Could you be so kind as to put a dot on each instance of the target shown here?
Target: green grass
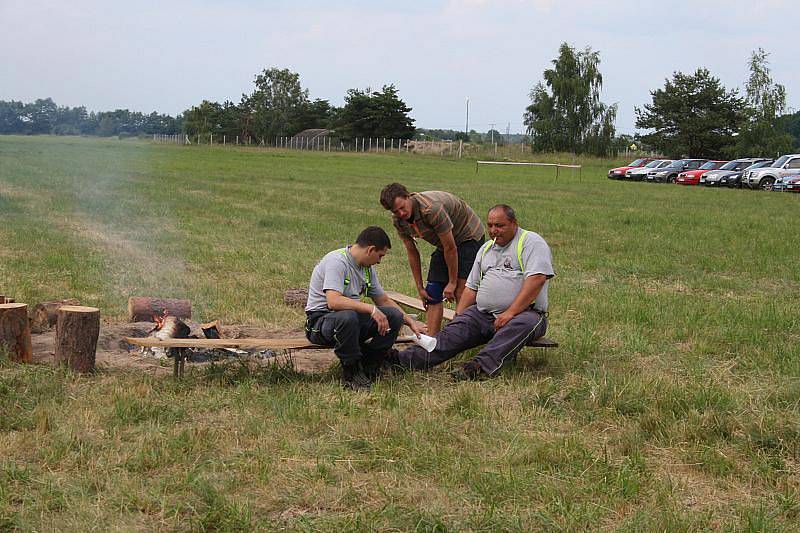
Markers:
(671, 404)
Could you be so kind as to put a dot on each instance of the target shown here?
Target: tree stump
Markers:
(296, 297)
(45, 314)
(77, 330)
(15, 332)
(143, 308)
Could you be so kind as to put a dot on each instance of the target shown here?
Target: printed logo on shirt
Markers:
(507, 263)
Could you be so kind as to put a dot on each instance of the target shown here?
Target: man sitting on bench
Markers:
(359, 333)
(504, 304)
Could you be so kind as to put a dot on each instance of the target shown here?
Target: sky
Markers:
(168, 56)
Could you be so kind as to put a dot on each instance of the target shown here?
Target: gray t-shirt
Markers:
(331, 273)
(497, 277)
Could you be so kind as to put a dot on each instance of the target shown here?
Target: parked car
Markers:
(713, 178)
(692, 177)
(638, 174)
(669, 173)
(619, 172)
(763, 178)
(782, 183)
(792, 184)
(734, 181)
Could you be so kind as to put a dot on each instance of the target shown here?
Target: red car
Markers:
(692, 177)
(619, 172)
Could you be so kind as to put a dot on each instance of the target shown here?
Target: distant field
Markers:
(672, 402)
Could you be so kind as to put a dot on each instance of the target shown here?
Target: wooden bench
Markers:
(449, 314)
(241, 344)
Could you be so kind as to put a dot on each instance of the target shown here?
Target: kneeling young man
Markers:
(359, 333)
(504, 304)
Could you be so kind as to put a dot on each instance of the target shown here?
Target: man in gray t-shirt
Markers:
(504, 305)
(359, 333)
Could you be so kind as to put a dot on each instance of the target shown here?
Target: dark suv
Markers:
(668, 174)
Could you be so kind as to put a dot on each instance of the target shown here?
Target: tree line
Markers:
(693, 115)
(44, 116)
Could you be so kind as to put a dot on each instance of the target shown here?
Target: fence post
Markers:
(460, 147)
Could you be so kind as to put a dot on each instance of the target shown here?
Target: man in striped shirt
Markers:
(448, 223)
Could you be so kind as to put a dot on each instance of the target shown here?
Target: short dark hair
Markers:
(374, 236)
(507, 209)
(391, 192)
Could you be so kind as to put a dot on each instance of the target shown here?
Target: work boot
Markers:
(372, 365)
(354, 378)
(469, 371)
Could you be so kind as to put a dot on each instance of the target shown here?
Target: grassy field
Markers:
(673, 402)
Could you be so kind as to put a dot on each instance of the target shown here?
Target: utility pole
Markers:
(508, 134)
(466, 127)
(491, 130)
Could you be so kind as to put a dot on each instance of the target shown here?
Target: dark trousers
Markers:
(353, 336)
(473, 328)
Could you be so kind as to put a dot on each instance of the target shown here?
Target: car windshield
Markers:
(653, 164)
(760, 164)
(637, 163)
(731, 165)
(665, 163)
(711, 165)
(780, 161)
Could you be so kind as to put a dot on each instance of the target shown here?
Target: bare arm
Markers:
(467, 299)
(339, 302)
(530, 290)
(383, 300)
(415, 263)
(451, 259)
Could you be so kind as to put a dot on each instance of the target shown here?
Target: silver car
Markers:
(713, 178)
(763, 178)
(640, 173)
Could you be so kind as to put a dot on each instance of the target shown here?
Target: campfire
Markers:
(167, 326)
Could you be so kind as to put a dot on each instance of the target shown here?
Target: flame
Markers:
(160, 319)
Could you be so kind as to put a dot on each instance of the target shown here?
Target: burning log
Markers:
(77, 331)
(169, 327)
(15, 332)
(45, 314)
(143, 308)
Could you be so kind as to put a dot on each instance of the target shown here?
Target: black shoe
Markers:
(372, 366)
(354, 378)
(469, 371)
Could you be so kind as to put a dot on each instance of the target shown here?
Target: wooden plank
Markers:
(449, 314)
(242, 344)
(416, 303)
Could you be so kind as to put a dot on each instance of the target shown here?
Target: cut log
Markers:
(295, 297)
(77, 330)
(212, 330)
(15, 332)
(143, 308)
(45, 314)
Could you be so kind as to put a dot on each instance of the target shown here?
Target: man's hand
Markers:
(380, 319)
(502, 319)
(417, 327)
(424, 296)
(450, 291)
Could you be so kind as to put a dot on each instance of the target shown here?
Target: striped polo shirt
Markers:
(435, 212)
